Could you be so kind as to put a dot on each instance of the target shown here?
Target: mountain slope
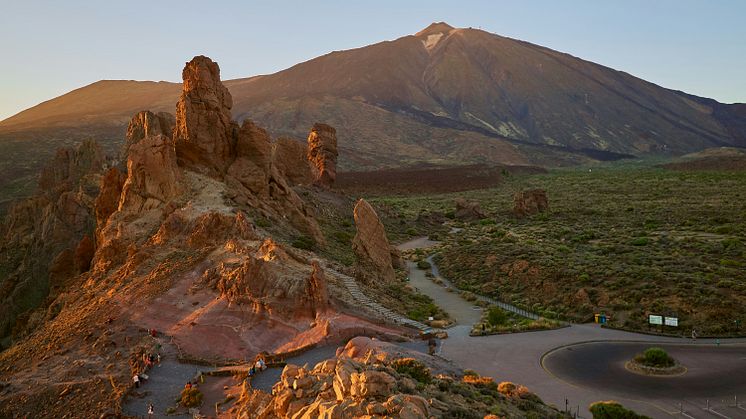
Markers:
(441, 96)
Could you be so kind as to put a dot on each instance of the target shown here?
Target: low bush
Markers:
(413, 368)
(655, 357)
(191, 397)
(303, 242)
(612, 410)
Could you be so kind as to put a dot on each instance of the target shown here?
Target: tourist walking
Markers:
(136, 380)
(151, 410)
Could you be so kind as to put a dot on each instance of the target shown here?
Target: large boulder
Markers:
(468, 210)
(204, 133)
(152, 175)
(370, 242)
(291, 159)
(322, 153)
(530, 202)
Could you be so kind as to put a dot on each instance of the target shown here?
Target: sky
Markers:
(52, 47)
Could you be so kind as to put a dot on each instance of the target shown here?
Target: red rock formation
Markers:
(530, 202)
(291, 159)
(41, 234)
(322, 153)
(370, 242)
(70, 165)
(84, 254)
(107, 200)
(204, 133)
(147, 124)
(251, 166)
(153, 177)
(468, 210)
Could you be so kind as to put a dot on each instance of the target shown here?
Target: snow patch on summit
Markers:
(432, 40)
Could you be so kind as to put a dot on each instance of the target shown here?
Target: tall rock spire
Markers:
(204, 130)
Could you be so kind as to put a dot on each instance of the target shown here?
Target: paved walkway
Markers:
(518, 358)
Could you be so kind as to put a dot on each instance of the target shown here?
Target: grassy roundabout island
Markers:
(655, 361)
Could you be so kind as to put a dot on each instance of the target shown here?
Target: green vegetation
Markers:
(304, 242)
(191, 397)
(655, 357)
(413, 368)
(612, 410)
(497, 320)
(625, 238)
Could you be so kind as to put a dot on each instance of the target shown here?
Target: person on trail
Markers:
(151, 410)
(694, 334)
(158, 358)
(431, 345)
(260, 365)
(188, 386)
(136, 380)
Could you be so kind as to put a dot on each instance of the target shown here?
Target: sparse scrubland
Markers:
(625, 239)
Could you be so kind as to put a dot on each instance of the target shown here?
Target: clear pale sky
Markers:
(51, 47)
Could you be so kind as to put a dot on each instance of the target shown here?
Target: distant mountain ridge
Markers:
(442, 96)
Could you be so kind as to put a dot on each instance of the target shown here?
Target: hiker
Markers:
(260, 365)
(694, 334)
(431, 345)
(136, 380)
(151, 410)
(251, 371)
(158, 358)
(188, 386)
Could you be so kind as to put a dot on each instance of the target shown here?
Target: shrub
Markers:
(191, 397)
(423, 264)
(655, 357)
(640, 241)
(496, 316)
(413, 368)
(612, 410)
(262, 222)
(304, 242)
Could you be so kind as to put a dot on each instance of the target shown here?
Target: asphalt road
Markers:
(592, 368)
(712, 372)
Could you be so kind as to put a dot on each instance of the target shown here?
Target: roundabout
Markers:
(712, 372)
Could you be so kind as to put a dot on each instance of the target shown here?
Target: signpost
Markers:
(654, 319)
(671, 321)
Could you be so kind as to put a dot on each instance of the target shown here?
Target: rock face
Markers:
(70, 165)
(322, 153)
(468, 210)
(204, 133)
(291, 159)
(530, 202)
(147, 124)
(153, 177)
(273, 282)
(46, 239)
(370, 242)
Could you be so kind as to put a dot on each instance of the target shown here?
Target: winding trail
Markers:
(540, 361)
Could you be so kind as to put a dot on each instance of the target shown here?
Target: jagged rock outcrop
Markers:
(147, 124)
(204, 133)
(272, 281)
(43, 238)
(107, 201)
(530, 202)
(370, 242)
(253, 154)
(468, 210)
(322, 153)
(153, 177)
(70, 165)
(291, 159)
